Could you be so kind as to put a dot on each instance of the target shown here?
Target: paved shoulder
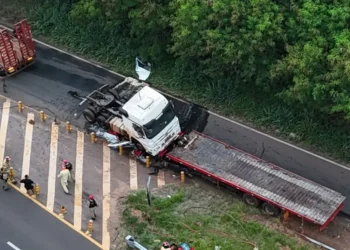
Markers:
(29, 227)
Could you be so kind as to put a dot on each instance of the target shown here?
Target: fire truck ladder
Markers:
(6, 51)
(24, 37)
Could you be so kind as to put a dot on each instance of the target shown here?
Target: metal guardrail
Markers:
(134, 244)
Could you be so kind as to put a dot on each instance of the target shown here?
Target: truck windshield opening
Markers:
(153, 128)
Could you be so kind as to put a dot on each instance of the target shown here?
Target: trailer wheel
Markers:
(89, 115)
(270, 209)
(102, 122)
(251, 200)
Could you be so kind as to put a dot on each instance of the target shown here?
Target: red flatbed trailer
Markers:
(17, 50)
(259, 179)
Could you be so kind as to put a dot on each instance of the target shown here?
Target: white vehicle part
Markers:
(117, 125)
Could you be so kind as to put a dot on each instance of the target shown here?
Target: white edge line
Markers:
(106, 195)
(210, 112)
(12, 245)
(78, 187)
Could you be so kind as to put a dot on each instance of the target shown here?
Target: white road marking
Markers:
(3, 129)
(106, 195)
(52, 168)
(78, 193)
(161, 178)
(210, 112)
(133, 174)
(12, 245)
(27, 148)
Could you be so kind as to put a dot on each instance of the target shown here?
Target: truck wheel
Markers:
(89, 115)
(251, 200)
(270, 209)
(102, 122)
(139, 147)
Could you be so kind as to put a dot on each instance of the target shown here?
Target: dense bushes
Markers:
(299, 50)
(280, 64)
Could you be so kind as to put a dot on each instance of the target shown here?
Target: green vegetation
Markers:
(279, 65)
(204, 220)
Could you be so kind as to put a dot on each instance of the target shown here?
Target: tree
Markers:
(228, 39)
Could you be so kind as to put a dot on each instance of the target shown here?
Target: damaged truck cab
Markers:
(133, 109)
(150, 118)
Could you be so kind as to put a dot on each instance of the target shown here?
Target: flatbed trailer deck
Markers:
(258, 178)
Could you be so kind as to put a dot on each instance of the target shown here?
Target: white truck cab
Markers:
(149, 118)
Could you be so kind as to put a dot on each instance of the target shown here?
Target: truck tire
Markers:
(251, 200)
(102, 122)
(271, 210)
(89, 115)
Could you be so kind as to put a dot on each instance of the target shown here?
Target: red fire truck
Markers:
(17, 49)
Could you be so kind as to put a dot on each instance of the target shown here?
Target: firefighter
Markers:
(68, 166)
(65, 177)
(92, 206)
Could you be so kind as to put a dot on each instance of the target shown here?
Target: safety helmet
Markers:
(91, 197)
(166, 244)
(7, 158)
(65, 161)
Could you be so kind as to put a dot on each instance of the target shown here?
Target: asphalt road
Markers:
(46, 85)
(29, 227)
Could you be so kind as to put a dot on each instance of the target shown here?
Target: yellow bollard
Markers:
(20, 106)
(121, 149)
(63, 212)
(68, 127)
(36, 189)
(89, 231)
(42, 116)
(182, 176)
(93, 137)
(148, 161)
(12, 174)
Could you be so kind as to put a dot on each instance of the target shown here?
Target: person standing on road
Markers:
(68, 166)
(28, 184)
(4, 175)
(92, 206)
(4, 172)
(6, 163)
(65, 177)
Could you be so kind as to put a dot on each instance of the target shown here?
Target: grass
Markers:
(204, 221)
(51, 23)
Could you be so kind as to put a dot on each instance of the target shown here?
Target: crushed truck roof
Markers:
(267, 181)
